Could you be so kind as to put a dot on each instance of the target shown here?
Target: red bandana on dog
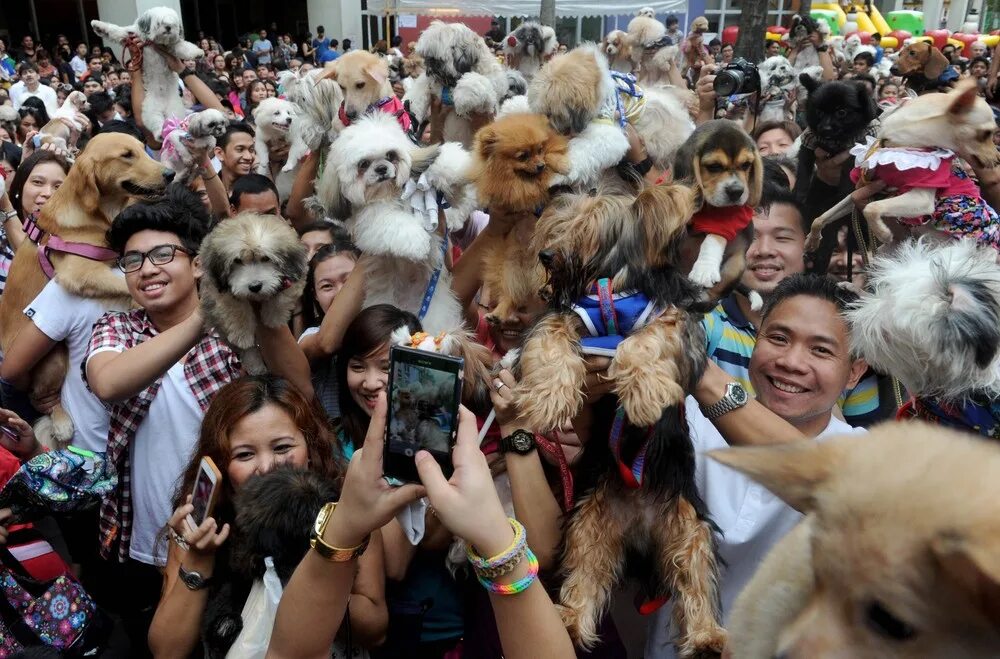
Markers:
(389, 105)
(725, 221)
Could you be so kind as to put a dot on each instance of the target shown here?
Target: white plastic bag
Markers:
(258, 616)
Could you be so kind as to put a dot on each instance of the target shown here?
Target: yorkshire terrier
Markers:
(617, 240)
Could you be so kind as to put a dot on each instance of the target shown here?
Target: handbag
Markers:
(59, 614)
(62, 481)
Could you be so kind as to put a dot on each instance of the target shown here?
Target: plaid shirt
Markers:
(208, 367)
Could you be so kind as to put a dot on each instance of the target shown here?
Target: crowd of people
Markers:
(155, 390)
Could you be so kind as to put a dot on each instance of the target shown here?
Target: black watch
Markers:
(193, 580)
(521, 442)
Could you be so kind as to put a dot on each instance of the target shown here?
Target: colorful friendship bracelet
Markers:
(505, 562)
(518, 586)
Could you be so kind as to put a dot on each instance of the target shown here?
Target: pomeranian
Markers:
(516, 158)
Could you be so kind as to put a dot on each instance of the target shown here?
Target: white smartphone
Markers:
(206, 487)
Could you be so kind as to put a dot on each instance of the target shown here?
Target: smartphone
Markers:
(11, 433)
(424, 392)
(206, 487)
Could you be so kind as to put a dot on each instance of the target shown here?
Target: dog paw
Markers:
(583, 632)
(878, 228)
(645, 392)
(812, 241)
(704, 275)
(45, 433)
(252, 361)
(707, 644)
(62, 426)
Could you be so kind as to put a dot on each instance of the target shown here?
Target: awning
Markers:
(521, 7)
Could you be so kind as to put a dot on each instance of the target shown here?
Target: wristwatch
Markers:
(193, 580)
(328, 551)
(521, 442)
(735, 398)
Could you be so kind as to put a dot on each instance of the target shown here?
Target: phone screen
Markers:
(202, 497)
(424, 393)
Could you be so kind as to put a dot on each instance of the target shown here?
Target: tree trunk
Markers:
(547, 13)
(753, 30)
(805, 7)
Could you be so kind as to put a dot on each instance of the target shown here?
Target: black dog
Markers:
(838, 115)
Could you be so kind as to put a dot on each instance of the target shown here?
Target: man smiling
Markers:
(801, 363)
(236, 153)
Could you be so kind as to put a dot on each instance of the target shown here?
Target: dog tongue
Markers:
(512, 41)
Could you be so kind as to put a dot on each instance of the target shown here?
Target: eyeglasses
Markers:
(159, 255)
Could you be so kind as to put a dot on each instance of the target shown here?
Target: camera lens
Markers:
(728, 82)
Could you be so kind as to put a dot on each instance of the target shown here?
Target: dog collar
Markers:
(57, 244)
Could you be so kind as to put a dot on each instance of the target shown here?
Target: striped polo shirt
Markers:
(730, 341)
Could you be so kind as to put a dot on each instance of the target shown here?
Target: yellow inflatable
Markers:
(835, 8)
(890, 42)
(771, 36)
(865, 24)
(880, 24)
(991, 40)
(956, 43)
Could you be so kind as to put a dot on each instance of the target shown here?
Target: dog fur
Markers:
(110, 172)
(896, 557)
(318, 101)
(634, 240)
(529, 46)
(203, 129)
(777, 82)
(160, 26)
(920, 64)
(364, 81)
(723, 165)
(618, 49)
(457, 58)
(959, 121)
(59, 129)
(275, 119)
(250, 259)
(368, 168)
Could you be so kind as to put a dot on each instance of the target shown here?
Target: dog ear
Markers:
(88, 194)
(936, 64)
(143, 24)
(866, 101)
(699, 188)
(378, 72)
(663, 212)
(329, 72)
(808, 82)
(973, 565)
(756, 180)
(791, 471)
(486, 141)
(963, 98)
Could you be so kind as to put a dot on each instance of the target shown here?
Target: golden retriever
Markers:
(111, 171)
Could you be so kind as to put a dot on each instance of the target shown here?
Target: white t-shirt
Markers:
(62, 316)
(160, 451)
(18, 92)
(751, 519)
(79, 65)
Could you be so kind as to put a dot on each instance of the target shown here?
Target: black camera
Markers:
(739, 77)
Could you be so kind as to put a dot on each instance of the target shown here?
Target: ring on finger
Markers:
(498, 385)
(179, 540)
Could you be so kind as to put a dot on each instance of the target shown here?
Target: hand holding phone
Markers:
(424, 393)
(206, 488)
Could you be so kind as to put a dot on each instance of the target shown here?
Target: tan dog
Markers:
(364, 78)
(111, 171)
(898, 556)
(618, 49)
(921, 64)
(66, 120)
(960, 122)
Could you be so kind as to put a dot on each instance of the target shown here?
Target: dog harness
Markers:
(625, 101)
(57, 244)
(959, 208)
(724, 221)
(169, 126)
(610, 317)
(389, 105)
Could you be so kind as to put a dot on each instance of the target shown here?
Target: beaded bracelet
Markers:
(503, 563)
(518, 586)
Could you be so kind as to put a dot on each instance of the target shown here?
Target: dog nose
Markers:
(381, 170)
(256, 286)
(734, 192)
(168, 175)
(546, 256)
(539, 168)
(352, 114)
(166, 28)
(894, 71)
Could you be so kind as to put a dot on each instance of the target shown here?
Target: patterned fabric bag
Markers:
(63, 481)
(58, 614)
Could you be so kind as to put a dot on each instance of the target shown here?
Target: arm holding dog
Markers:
(751, 425)
(198, 88)
(302, 187)
(216, 191)
(116, 376)
(326, 342)
(284, 357)
(30, 346)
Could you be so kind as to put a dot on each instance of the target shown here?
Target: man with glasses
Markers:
(157, 368)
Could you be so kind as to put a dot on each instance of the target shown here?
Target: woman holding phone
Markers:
(253, 424)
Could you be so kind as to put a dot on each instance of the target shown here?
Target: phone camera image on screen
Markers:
(202, 495)
(422, 410)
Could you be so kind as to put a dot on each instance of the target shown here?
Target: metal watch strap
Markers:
(326, 550)
(734, 398)
(193, 580)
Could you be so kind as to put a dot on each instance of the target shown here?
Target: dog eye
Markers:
(265, 259)
(363, 164)
(521, 155)
(359, 85)
(841, 113)
(392, 156)
(985, 135)
(882, 622)
(714, 168)
(746, 166)
(127, 155)
(238, 261)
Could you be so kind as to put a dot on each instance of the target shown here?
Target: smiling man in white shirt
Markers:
(800, 365)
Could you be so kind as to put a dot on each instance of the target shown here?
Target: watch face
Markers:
(522, 442)
(193, 579)
(739, 394)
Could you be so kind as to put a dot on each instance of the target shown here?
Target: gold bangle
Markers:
(326, 550)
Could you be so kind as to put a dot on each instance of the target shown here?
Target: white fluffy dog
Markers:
(933, 319)
(528, 46)
(276, 122)
(461, 71)
(195, 135)
(393, 218)
(250, 259)
(317, 101)
(777, 82)
(159, 26)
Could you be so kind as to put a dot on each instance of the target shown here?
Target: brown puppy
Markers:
(617, 47)
(921, 64)
(364, 78)
(723, 165)
(112, 170)
(897, 557)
